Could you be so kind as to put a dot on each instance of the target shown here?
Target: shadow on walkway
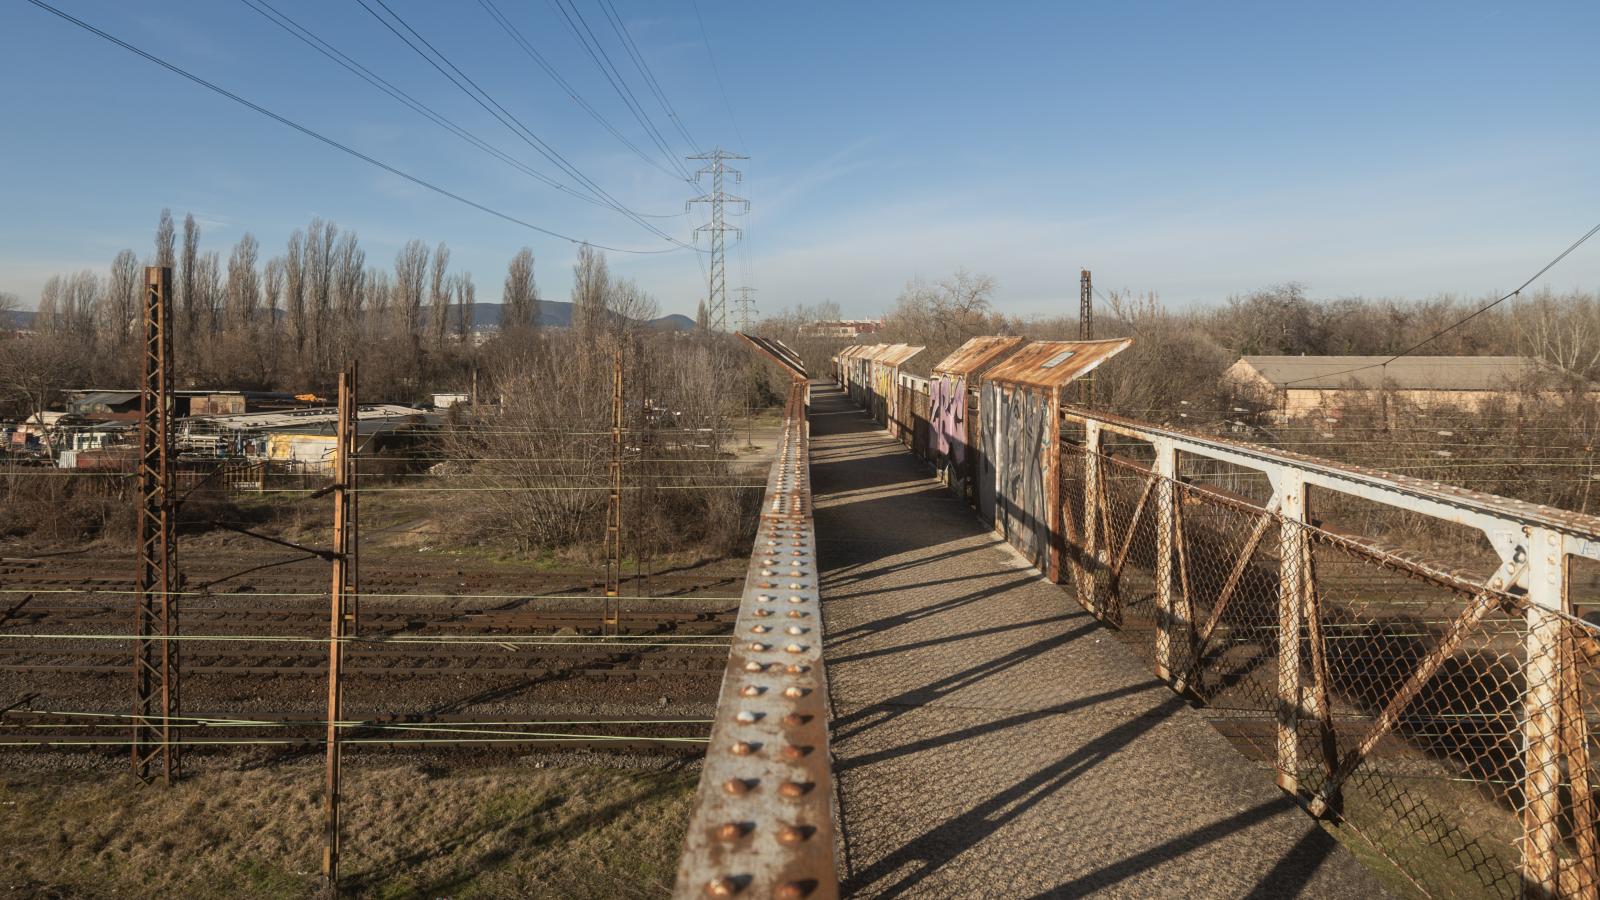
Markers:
(992, 739)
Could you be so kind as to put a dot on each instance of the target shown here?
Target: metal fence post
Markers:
(1166, 617)
(1091, 489)
(1291, 561)
(1541, 714)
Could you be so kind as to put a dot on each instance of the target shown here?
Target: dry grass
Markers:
(508, 831)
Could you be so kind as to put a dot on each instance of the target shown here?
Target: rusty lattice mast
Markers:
(155, 654)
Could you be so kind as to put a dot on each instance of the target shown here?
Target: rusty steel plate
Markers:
(978, 354)
(762, 824)
(1051, 364)
(778, 352)
(898, 354)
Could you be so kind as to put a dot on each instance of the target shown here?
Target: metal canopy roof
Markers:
(1051, 364)
(778, 352)
(859, 351)
(977, 354)
(897, 354)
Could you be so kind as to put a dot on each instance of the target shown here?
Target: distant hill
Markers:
(552, 314)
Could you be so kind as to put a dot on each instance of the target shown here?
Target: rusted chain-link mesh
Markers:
(1452, 727)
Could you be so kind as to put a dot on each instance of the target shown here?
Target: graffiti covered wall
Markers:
(989, 437)
(1017, 439)
(947, 413)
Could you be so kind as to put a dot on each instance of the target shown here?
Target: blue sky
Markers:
(1197, 150)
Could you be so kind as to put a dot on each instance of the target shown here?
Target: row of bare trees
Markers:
(291, 320)
(284, 322)
(1537, 442)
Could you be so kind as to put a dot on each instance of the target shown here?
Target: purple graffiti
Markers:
(947, 412)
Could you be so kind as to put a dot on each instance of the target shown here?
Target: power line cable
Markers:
(505, 117)
(743, 147)
(516, 35)
(344, 148)
(1465, 319)
(639, 62)
(311, 39)
(602, 59)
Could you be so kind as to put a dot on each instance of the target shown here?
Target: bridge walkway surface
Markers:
(991, 739)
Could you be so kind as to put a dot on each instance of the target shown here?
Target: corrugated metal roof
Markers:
(856, 351)
(898, 354)
(303, 417)
(977, 354)
(1051, 364)
(1418, 373)
(107, 398)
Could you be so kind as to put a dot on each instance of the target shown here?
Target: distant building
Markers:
(114, 405)
(1296, 386)
(844, 328)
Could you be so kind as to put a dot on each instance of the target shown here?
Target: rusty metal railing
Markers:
(763, 819)
(1417, 662)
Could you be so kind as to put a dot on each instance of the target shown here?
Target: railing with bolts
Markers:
(763, 819)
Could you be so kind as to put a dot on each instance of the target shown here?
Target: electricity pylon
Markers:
(747, 308)
(717, 292)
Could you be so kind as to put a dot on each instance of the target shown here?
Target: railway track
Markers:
(520, 668)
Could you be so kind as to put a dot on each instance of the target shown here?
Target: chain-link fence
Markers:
(1444, 718)
(1408, 687)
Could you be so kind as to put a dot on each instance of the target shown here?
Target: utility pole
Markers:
(747, 308)
(717, 290)
(1086, 333)
(611, 617)
(340, 618)
(155, 653)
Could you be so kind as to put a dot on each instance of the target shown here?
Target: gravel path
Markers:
(992, 739)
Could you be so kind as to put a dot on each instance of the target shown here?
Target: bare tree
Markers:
(46, 316)
(349, 289)
(410, 275)
(380, 292)
(320, 238)
(590, 287)
(244, 286)
(294, 294)
(209, 290)
(188, 308)
(519, 302)
(271, 328)
(628, 305)
(165, 234)
(123, 309)
(9, 303)
(439, 297)
(81, 306)
(466, 299)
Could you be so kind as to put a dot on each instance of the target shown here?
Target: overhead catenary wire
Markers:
(1467, 318)
(527, 47)
(337, 145)
(717, 73)
(645, 70)
(485, 100)
(310, 39)
(591, 45)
